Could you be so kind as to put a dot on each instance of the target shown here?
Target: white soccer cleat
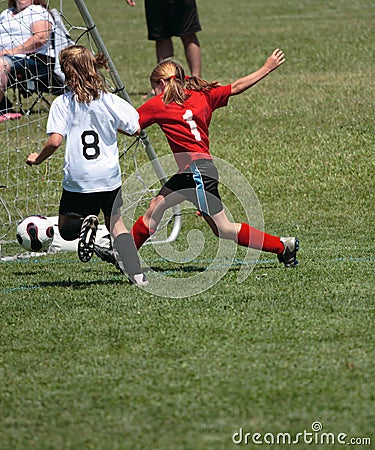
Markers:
(139, 279)
(289, 255)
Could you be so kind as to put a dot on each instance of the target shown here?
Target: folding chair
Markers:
(26, 84)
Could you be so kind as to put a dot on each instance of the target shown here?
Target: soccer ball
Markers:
(35, 233)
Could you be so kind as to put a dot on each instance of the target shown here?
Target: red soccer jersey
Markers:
(186, 127)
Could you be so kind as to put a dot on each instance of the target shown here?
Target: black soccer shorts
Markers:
(199, 185)
(167, 18)
(85, 204)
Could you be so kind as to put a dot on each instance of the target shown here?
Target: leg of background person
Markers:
(164, 49)
(244, 234)
(193, 54)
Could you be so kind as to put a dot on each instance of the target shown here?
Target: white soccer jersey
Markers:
(91, 161)
(15, 29)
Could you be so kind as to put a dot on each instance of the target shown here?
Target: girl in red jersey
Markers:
(183, 109)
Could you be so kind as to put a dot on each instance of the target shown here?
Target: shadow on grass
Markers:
(119, 278)
(234, 267)
(73, 284)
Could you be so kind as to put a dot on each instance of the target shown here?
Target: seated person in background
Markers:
(25, 44)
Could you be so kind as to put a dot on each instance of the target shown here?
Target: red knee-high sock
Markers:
(140, 232)
(251, 237)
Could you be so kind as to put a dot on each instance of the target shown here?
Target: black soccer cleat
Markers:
(87, 238)
(108, 255)
(111, 256)
(289, 254)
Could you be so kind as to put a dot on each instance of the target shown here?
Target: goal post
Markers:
(27, 191)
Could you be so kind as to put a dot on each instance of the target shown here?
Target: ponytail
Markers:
(101, 61)
(174, 91)
(197, 84)
(177, 84)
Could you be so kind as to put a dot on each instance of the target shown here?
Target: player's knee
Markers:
(156, 201)
(70, 231)
(225, 232)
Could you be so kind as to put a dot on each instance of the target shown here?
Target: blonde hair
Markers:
(177, 84)
(81, 70)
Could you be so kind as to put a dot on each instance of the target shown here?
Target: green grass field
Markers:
(89, 362)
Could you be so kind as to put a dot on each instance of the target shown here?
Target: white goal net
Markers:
(27, 191)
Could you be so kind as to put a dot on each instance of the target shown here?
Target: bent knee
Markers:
(157, 202)
(225, 232)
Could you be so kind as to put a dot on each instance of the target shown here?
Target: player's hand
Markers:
(31, 159)
(275, 60)
(130, 2)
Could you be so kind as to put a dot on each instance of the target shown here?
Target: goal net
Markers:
(27, 191)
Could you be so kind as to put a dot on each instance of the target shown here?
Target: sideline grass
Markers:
(89, 362)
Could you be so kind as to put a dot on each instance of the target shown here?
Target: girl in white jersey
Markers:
(89, 117)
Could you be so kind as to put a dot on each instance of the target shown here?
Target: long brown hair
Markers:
(81, 70)
(177, 84)
(13, 4)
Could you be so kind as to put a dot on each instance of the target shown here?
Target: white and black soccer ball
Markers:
(35, 233)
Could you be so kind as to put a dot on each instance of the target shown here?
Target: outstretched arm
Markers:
(273, 62)
(49, 148)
